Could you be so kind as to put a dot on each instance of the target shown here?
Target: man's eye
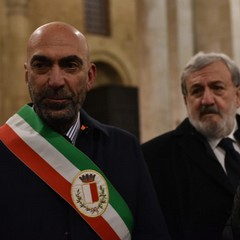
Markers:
(40, 66)
(196, 91)
(72, 65)
(37, 65)
(217, 87)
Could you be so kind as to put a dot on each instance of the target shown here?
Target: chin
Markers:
(210, 117)
(63, 115)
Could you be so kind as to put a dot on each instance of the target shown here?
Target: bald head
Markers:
(57, 34)
(58, 73)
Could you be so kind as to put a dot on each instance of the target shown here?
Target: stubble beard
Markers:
(59, 116)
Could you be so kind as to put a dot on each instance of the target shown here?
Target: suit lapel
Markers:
(201, 153)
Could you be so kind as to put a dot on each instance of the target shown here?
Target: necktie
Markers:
(232, 161)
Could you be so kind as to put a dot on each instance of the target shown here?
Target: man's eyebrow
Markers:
(72, 58)
(39, 58)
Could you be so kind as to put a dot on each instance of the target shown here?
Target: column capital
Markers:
(17, 6)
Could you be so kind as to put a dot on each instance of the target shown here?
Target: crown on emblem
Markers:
(88, 178)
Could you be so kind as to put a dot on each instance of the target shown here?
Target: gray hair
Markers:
(201, 60)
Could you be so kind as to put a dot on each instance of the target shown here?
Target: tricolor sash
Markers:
(69, 172)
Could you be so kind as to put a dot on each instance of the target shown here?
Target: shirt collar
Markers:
(73, 130)
(214, 142)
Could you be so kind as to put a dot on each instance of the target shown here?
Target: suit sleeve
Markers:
(150, 223)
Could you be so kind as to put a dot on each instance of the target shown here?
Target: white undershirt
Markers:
(219, 152)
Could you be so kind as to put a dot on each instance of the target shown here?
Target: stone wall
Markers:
(150, 42)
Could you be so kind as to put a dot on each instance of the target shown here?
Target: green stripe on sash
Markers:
(73, 154)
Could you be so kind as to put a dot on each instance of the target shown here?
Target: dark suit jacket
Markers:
(232, 228)
(29, 209)
(193, 190)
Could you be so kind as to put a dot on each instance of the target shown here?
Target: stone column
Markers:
(153, 67)
(2, 55)
(15, 47)
(185, 46)
(235, 33)
(212, 26)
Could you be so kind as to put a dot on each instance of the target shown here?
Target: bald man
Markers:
(63, 174)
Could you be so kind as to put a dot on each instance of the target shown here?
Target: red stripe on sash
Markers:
(38, 165)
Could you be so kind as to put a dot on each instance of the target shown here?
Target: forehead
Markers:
(217, 71)
(57, 43)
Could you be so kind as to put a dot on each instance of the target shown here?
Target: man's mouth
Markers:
(208, 114)
(208, 111)
(56, 102)
(57, 99)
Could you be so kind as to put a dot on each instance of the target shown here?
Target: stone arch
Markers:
(110, 69)
(107, 75)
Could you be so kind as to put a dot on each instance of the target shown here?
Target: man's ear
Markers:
(26, 72)
(91, 76)
(238, 97)
(185, 99)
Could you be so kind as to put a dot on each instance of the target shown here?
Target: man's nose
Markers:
(208, 97)
(56, 77)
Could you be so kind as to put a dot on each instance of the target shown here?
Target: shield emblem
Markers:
(90, 192)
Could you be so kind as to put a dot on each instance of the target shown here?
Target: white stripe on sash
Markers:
(63, 166)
